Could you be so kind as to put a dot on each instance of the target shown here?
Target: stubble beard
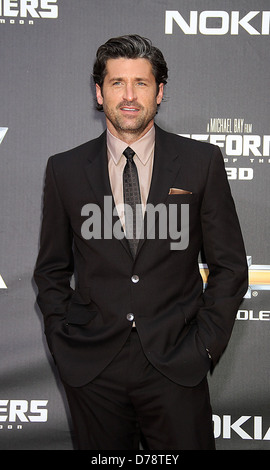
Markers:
(133, 127)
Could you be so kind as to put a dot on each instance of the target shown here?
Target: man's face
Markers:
(129, 97)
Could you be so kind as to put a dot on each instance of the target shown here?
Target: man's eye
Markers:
(141, 83)
(116, 83)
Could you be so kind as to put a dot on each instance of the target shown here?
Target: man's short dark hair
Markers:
(129, 47)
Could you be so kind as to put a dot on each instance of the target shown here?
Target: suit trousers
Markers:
(131, 405)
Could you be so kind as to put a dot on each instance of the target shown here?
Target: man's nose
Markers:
(129, 92)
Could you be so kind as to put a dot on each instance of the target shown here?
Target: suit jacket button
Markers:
(130, 317)
(135, 278)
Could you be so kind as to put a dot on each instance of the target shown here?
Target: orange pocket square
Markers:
(179, 191)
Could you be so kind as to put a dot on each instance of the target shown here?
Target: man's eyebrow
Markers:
(137, 79)
(116, 79)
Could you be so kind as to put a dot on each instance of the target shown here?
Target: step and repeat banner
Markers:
(218, 91)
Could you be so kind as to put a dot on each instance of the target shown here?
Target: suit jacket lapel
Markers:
(165, 169)
(98, 176)
(97, 170)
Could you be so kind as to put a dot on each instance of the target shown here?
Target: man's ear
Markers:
(99, 95)
(160, 93)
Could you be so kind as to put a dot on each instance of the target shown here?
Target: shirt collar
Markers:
(142, 147)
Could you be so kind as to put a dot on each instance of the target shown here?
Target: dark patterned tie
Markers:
(132, 197)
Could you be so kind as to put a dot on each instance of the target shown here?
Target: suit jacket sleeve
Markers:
(54, 266)
(226, 259)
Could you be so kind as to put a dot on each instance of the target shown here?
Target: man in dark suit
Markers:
(136, 336)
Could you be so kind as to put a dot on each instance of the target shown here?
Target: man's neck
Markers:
(129, 137)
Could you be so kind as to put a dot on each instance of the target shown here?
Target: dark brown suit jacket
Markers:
(179, 323)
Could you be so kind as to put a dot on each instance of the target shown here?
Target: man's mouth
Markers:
(129, 109)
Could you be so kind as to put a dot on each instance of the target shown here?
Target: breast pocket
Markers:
(182, 210)
(182, 198)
